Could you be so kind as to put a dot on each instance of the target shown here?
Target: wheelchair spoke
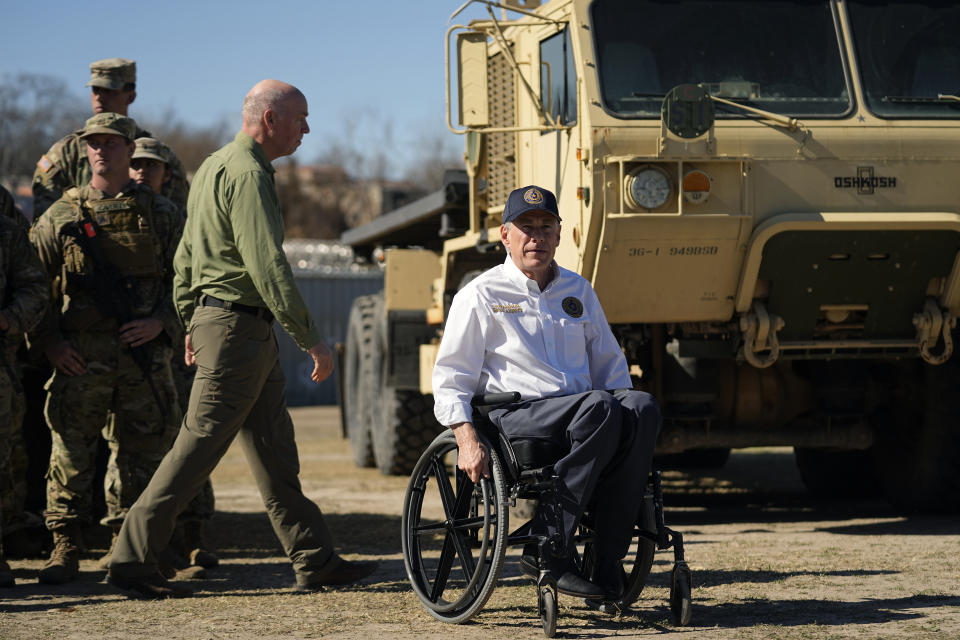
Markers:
(443, 569)
(468, 523)
(431, 527)
(447, 498)
(467, 563)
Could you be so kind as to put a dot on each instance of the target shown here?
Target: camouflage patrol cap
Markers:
(150, 148)
(110, 123)
(112, 73)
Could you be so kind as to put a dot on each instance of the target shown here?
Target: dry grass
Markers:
(767, 563)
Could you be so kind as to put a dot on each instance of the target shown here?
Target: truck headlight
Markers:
(648, 187)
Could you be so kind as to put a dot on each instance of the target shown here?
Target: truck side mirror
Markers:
(472, 79)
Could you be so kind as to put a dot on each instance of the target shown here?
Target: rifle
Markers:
(14, 380)
(113, 292)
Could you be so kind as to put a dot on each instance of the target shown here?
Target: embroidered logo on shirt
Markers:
(44, 163)
(533, 196)
(572, 306)
(506, 308)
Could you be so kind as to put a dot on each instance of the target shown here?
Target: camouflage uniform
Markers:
(65, 164)
(24, 295)
(140, 232)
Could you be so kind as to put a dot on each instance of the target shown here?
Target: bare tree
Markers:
(436, 152)
(35, 111)
(191, 143)
(364, 145)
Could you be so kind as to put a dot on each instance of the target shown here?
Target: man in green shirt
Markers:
(232, 280)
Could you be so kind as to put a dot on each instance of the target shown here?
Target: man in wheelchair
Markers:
(536, 328)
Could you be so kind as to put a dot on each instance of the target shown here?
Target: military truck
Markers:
(765, 196)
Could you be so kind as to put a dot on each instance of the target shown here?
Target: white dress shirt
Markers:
(504, 334)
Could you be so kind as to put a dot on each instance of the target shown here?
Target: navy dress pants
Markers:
(610, 436)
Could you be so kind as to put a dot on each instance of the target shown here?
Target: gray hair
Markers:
(256, 103)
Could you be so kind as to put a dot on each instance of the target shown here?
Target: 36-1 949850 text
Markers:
(696, 250)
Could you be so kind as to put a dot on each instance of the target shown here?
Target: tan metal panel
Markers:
(664, 268)
(472, 71)
(402, 290)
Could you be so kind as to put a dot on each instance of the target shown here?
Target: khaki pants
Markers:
(238, 391)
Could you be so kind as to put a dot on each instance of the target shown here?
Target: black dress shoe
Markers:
(563, 571)
(343, 572)
(152, 587)
(572, 583)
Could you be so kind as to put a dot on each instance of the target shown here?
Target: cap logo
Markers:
(533, 196)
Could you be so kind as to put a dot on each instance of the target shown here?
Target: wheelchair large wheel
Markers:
(454, 533)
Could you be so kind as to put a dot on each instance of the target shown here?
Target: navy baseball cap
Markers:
(529, 198)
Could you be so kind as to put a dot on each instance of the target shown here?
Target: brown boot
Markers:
(104, 561)
(6, 575)
(64, 563)
(194, 546)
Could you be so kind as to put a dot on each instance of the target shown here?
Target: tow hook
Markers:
(932, 324)
(760, 334)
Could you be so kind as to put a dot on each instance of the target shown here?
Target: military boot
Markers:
(194, 545)
(64, 563)
(104, 562)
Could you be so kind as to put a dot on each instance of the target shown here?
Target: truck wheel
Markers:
(403, 422)
(918, 443)
(405, 428)
(359, 391)
(829, 474)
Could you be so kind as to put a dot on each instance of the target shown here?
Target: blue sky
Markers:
(369, 62)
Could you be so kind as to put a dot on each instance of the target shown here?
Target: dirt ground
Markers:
(767, 562)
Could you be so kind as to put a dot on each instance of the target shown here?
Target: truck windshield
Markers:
(779, 56)
(909, 57)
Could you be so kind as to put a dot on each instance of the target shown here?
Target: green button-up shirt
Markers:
(232, 246)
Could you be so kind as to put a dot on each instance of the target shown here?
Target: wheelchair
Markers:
(455, 533)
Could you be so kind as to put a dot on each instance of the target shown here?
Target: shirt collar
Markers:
(520, 279)
(254, 147)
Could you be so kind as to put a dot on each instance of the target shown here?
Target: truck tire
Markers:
(918, 442)
(829, 474)
(359, 379)
(405, 428)
(403, 422)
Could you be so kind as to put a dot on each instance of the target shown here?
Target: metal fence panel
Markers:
(328, 297)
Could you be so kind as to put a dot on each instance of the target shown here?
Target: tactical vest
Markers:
(128, 240)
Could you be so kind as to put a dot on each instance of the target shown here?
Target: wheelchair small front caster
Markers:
(547, 607)
(680, 587)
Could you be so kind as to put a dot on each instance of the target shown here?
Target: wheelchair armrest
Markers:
(493, 399)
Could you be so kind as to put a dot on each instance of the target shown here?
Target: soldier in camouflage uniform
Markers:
(19, 527)
(150, 166)
(112, 89)
(137, 231)
(24, 295)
